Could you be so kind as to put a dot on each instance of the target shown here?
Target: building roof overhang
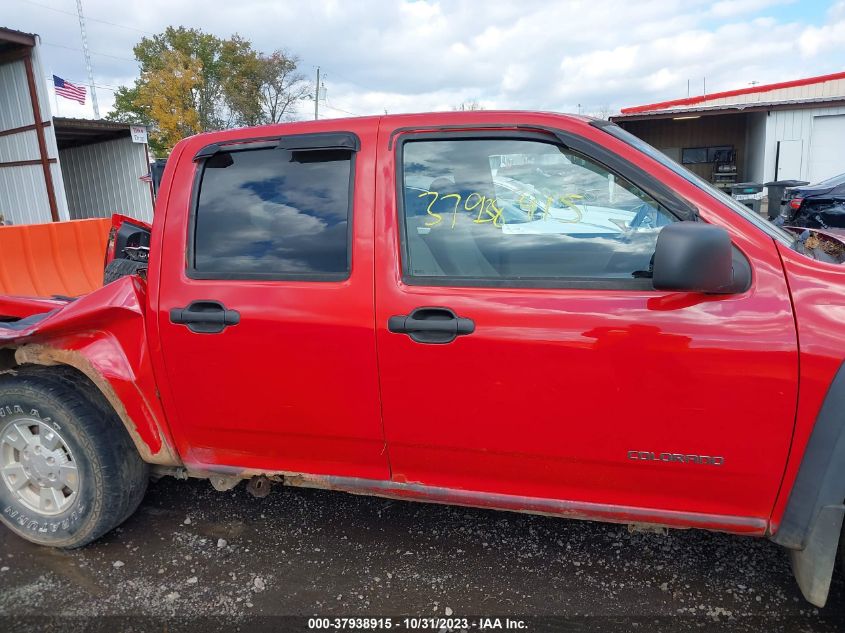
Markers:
(733, 108)
(76, 132)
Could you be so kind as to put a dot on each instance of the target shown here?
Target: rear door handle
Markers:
(205, 317)
(431, 325)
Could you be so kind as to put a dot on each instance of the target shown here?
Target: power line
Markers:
(89, 19)
(76, 48)
(109, 87)
(329, 105)
(100, 86)
(343, 78)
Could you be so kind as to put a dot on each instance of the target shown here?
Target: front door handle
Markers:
(205, 317)
(431, 325)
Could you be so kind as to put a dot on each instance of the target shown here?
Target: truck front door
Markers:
(524, 352)
(266, 324)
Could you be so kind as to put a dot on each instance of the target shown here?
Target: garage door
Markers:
(827, 147)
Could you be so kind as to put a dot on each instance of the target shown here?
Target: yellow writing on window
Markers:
(487, 211)
(530, 205)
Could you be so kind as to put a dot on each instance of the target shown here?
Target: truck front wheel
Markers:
(69, 472)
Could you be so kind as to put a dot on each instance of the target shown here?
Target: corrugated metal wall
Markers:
(793, 125)
(23, 192)
(103, 178)
(755, 141)
(49, 133)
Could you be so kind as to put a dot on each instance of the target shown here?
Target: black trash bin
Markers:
(157, 171)
(775, 191)
(743, 192)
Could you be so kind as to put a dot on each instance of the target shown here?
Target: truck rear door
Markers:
(266, 302)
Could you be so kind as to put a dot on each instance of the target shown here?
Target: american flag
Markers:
(68, 90)
(146, 178)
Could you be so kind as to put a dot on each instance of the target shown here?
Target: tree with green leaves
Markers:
(193, 81)
(266, 89)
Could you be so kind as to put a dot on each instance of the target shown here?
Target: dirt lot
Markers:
(198, 559)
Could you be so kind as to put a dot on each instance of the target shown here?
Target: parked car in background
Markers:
(819, 206)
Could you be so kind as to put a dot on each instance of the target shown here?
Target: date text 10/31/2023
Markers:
(418, 623)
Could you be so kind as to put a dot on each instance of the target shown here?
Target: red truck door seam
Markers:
(154, 299)
(375, 292)
(797, 393)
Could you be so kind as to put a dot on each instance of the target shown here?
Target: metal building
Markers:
(54, 169)
(101, 168)
(789, 130)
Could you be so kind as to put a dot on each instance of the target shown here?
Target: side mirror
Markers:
(694, 257)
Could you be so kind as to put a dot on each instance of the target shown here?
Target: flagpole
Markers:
(55, 96)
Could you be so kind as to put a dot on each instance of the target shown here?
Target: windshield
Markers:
(637, 143)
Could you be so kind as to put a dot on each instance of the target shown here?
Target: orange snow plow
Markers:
(45, 260)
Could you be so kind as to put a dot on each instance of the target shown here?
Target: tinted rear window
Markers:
(273, 212)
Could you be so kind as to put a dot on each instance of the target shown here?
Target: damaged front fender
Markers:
(103, 336)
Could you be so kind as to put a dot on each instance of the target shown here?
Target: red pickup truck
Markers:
(524, 311)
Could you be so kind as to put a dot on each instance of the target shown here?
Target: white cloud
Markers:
(826, 39)
(431, 55)
(597, 65)
(732, 8)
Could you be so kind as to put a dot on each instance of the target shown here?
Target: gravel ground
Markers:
(195, 558)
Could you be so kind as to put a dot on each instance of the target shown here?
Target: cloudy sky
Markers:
(421, 55)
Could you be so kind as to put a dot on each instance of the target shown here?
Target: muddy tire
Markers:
(118, 268)
(69, 472)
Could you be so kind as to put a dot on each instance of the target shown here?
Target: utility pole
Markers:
(317, 96)
(87, 55)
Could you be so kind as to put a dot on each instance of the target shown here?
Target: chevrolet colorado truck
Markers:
(523, 311)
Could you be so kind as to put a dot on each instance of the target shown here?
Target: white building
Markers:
(54, 169)
(790, 130)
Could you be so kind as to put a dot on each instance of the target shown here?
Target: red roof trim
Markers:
(662, 105)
